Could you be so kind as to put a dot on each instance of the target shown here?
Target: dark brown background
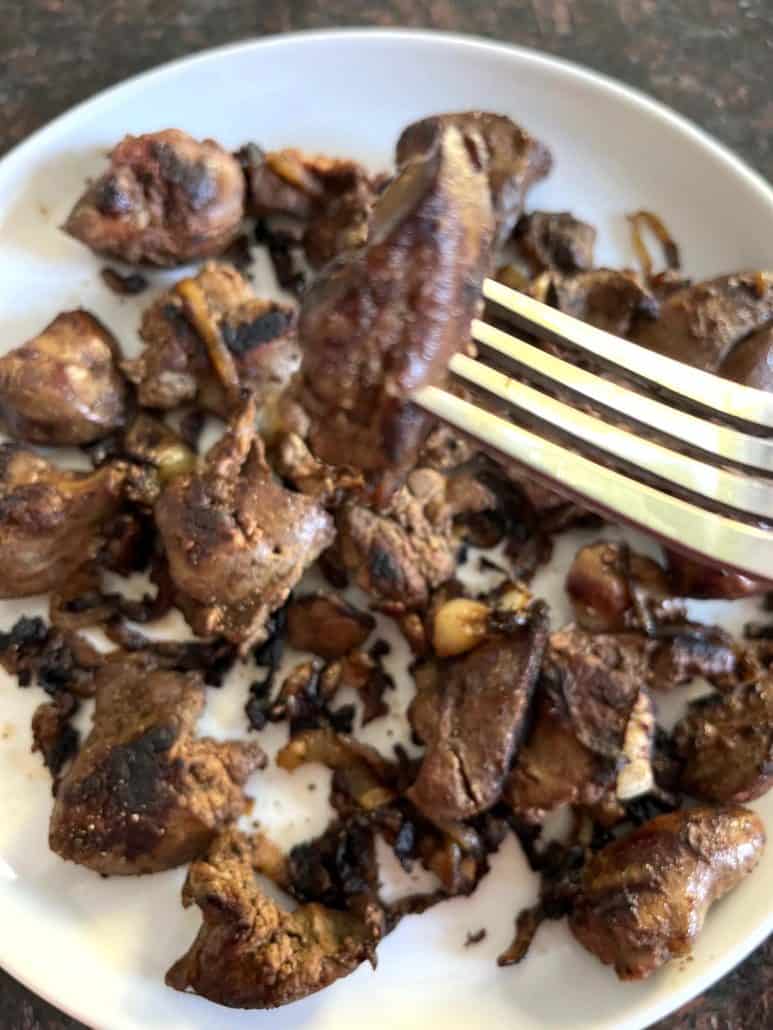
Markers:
(709, 59)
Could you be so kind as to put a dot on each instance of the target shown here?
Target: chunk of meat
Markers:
(400, 555)
(176, 366)
(553, 767)
(691, 650)
(600, 677)
(471, 713)
(236, 540)
(607, 298)
(327, 625)
(750, 362)
(249, 952)
(593, 737)
(325, 201)
(63, 386)
(51, 520)
(556, 241)
(726, 744)
(516, 161)
(692, 579)
(165, 199)
(613, 588)
(644, 897)
(702, 323)
(143, 793)
(385, 319)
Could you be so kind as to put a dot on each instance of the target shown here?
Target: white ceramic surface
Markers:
(99, 948)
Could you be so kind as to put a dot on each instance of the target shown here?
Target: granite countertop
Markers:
(708, 59)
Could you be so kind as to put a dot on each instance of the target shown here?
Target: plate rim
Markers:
(61, 124)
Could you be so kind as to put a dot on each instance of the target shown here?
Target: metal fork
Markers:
(710, 498)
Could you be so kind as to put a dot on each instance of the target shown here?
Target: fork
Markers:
(708, 490)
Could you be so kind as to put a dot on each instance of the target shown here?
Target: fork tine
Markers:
(683, 526)
(722, 441)
(741, 492)
(723, 397)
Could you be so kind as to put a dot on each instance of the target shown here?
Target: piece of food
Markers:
(702, 323)
(725, 743)
(236, 540)
(63, 386)
(553, 767)
(750, 362)
(322, 203)
(165, 199)
(692, 579)
(256, 336)
(143, 793)
(515, 160)
(691, 649)
(556, 241)
(51, 520)
(614, 589)
(370, 335)
(249, 952)
(399, 555)
(616, 301)
(643, 898)
(360, 771)
(471, 713)
(327, 625)
(592, 739)
(600, 677)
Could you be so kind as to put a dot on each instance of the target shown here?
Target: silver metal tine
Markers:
(723, 397)
(682, 525)
(735, 490)
(724, 442)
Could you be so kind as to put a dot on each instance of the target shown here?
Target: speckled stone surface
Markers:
(708, 59)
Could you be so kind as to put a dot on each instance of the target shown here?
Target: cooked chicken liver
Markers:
(726, 744)
(644, 897)
(252, 954)
(63, 386)
(236, 540)
(51, 519)
(165, 199)
(175, 367)
(471, 713)
(371, 335)
(143, 793)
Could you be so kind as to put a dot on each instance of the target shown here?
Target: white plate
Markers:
(99, 948)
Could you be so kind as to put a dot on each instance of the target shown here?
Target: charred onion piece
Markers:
(640, 220)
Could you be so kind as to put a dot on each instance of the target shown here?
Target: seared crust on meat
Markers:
(143, 794)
